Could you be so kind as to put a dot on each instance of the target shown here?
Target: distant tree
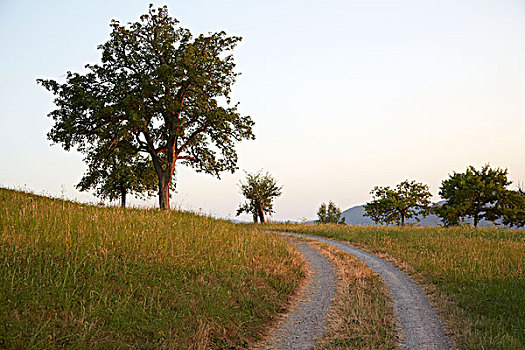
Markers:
(407, 200)
(329, 213)
(116, 170)
(513, 208)
(475, 194)
(160, 87)
(260, 190)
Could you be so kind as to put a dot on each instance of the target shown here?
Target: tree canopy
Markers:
(259, 190)
(476, 194)
(407, 200)
(329, 213)
(164, 91)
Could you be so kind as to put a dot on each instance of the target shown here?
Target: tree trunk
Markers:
(261, 213)
(402, 219)
(164, 191)
(255, 218)
(476, 221)
(123, 193)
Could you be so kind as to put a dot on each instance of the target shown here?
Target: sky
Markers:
(345, 95)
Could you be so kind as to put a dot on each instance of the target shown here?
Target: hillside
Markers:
(81, 276)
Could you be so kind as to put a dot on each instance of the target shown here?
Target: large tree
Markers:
(259, 190)
(329, 213)
(474, 194)
(409, 199)
(163, 89)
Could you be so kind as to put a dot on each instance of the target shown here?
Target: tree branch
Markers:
(191, 137)
(189, 158)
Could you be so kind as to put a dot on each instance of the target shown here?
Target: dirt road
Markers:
(420, 327)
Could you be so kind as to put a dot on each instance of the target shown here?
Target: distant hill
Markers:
(356, 216)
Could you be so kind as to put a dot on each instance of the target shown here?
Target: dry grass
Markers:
(361, 316)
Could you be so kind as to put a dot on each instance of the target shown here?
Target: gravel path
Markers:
(306, 322)
(420, 325)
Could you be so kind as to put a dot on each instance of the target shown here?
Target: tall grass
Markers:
(479, 272)
(81, 276)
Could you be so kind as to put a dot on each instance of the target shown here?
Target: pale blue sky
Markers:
(346, 95)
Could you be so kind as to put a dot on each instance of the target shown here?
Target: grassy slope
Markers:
(88, 277)
(479, 272)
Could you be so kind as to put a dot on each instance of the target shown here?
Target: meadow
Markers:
(83, 276)
(475, 277)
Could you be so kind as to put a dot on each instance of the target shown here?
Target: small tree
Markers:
(475, 194)
(162, 89)
(329, 213)
(407, 200)
(260, 190)
(116, 170)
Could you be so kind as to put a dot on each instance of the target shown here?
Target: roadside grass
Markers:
(81, 276)
(361, 316)
(476, 276)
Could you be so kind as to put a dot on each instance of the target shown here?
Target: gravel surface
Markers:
(420, 325)
(306, 322)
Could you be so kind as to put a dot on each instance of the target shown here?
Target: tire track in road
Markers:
(305, 323)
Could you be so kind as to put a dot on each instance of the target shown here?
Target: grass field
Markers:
(81, 276)
(477, 276)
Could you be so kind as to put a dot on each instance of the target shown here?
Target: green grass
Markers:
(80, 276)
(479, 273)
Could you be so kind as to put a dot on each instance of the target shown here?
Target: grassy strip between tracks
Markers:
(476, 277)
(361, 316)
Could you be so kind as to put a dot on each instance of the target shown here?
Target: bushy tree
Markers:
(259, 190)
(513, 209)
(407, 200)
(329, 213)
(159, 87)
(116, 170)
(475, 194)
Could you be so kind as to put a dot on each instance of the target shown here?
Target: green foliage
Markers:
(329, 213)
(476, 194)
(115, 170)
(260, 190)
(159, 88)
(513, 209)
(83, 277)
(394, 205)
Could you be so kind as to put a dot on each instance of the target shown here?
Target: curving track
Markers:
(420, 327)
